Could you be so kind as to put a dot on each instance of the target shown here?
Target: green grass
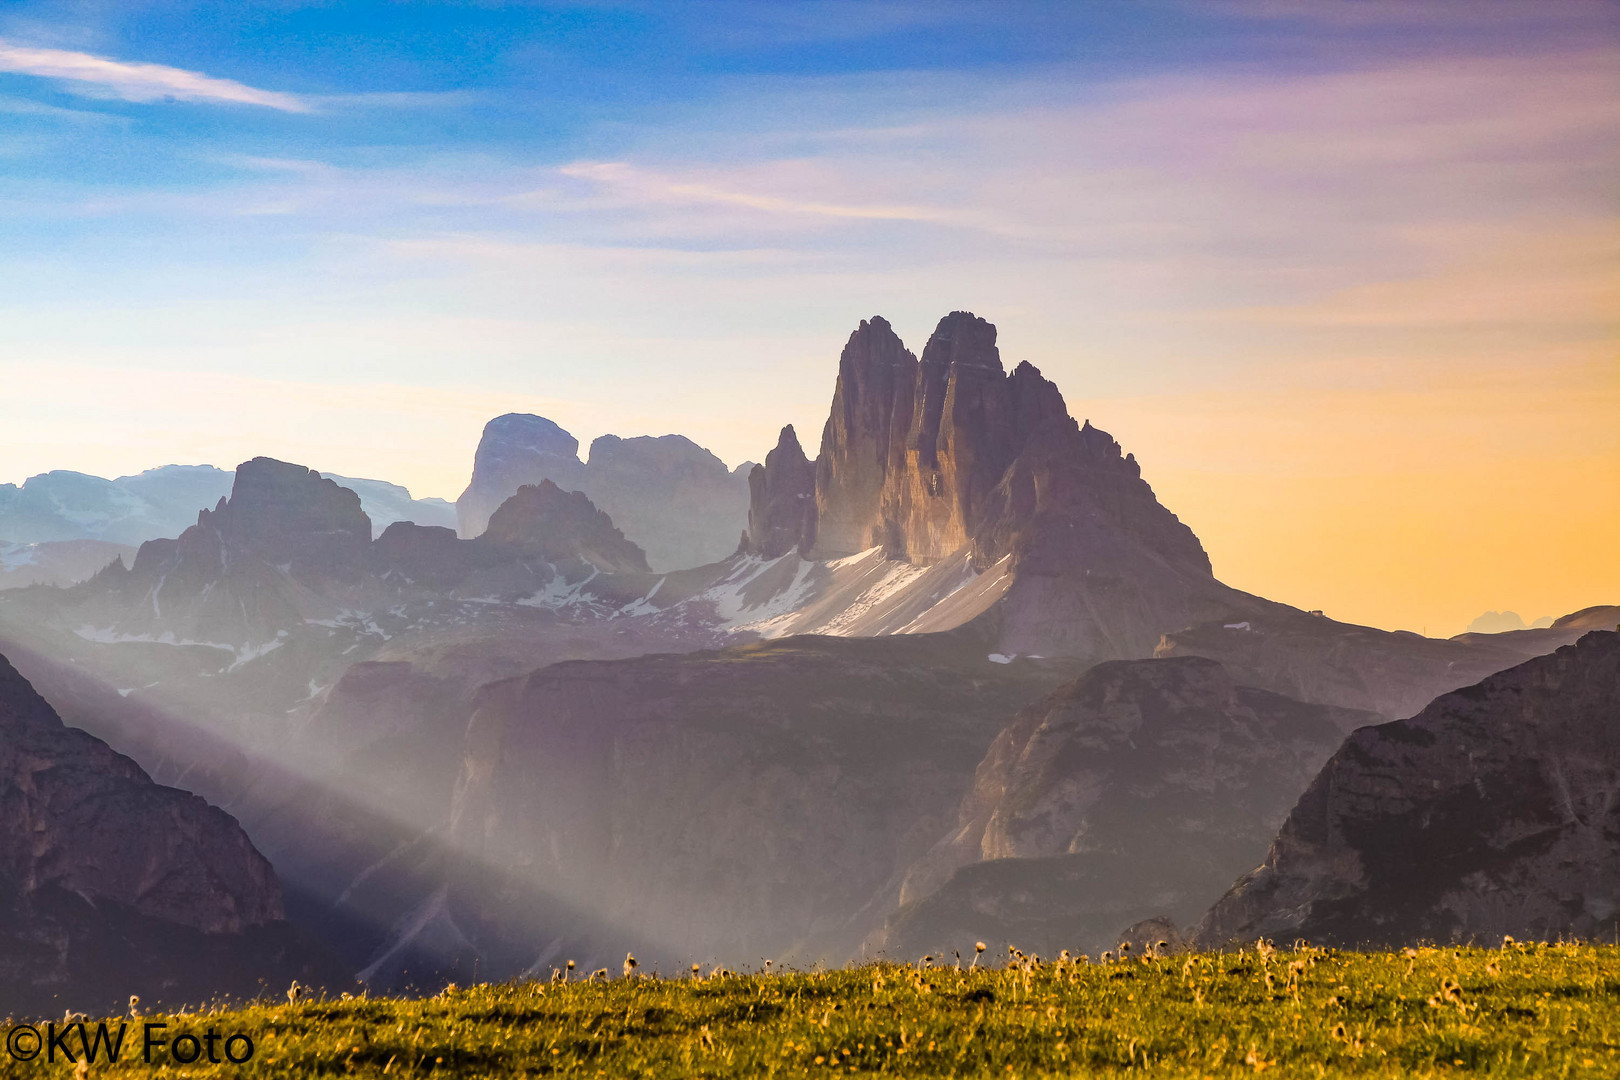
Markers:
(1519, 1011)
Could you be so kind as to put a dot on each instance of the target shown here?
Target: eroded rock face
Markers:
(951, 454)
(1133, 791)
(864, 440)
(558, 525)
(83, 818)
(104, 875)
(959, 443)
(277, 513)
(722, 805)
(1495, 810)
(782, 500)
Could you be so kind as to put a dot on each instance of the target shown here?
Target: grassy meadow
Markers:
(1522, 1010)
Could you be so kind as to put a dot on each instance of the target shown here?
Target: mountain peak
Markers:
(782, 500)
(516, 449)
(558, 525)
(951, 456)
(963, 338)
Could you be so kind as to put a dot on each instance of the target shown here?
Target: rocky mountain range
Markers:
(1495, 810)
(111, 885)
(671, 497)
(64, 506)
(951, 459)
(1127, 793)
(963, 676)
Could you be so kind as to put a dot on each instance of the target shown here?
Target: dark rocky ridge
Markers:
(516, 449)
(277, 513)
(670, 496)
(291, 548)
(1135, 790)
(782, 500)
(1496, 810)
(112, 885)
(558, 526)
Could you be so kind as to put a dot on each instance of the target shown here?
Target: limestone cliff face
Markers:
(285, 545)
(80, 817)
(959, 443)
(950, 454)
(730, 805)
(927, 458)
(782, 505)
(863, 443)
(558, 525)
(111, 884)
(277, 513)
(1143, 784)
(1495, 810)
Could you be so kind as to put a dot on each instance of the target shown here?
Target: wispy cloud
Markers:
(137, 81)
(653, 186)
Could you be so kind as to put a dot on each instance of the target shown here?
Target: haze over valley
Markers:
(515, 493)
(960, 675)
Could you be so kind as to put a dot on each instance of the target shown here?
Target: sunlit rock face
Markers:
(112, 885)
(959, 442)
(1136, 790)
(864, 440)
(672, 498)
(951, 456)
(1493, 811)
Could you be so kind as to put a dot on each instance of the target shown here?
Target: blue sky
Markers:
(346, 234)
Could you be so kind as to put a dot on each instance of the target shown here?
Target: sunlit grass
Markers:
(1532, 1010)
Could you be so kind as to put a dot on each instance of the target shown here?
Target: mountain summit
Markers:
(672, 498)
(953, 458)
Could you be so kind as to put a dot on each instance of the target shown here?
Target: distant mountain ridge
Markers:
(669, 496)
(57, 562)
(398, 718)
(163, 502)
